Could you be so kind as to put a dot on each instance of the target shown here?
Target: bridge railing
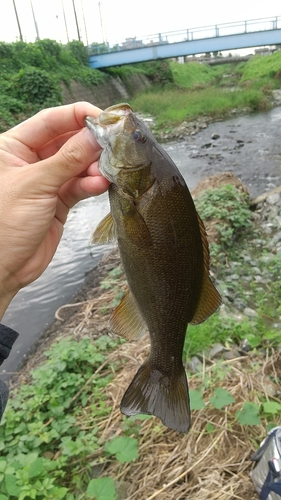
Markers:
(234, 28)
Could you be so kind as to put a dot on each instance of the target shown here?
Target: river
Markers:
(249, 146)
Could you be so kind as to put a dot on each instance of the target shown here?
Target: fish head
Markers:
(126, 142)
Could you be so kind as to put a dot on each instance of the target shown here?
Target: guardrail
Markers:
(234, 28)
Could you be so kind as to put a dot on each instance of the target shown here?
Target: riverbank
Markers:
(189, 128)
(235, 381)
(264, 238)
(235, 355)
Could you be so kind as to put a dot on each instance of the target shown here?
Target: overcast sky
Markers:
(115, 20)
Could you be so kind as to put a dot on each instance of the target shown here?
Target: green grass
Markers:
(200, 89)
(191, 74)
(261, 67)
(177, 105)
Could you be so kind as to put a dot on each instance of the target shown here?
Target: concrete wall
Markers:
(109, 92)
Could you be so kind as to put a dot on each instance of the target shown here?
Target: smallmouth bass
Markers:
(164, 252)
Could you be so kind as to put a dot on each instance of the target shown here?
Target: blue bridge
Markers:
(237, 35)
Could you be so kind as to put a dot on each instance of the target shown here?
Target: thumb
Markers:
(74, 157)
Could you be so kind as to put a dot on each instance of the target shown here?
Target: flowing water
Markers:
(249, 146)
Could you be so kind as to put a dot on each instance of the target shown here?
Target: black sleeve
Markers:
(7, 339)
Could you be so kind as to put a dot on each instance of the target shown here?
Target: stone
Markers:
(231, 354)
(251, 313)
(245, 346)
(216, 350)
(195, 365)
(273, 199)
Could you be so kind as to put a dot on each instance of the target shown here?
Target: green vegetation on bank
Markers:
(202, 90)
(52, 426)
(175, 106)
(234, 253)
(31, 77)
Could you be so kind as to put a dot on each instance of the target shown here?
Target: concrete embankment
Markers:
(107, 93)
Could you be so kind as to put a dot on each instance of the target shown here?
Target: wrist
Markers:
(6, 296)
(5, 299)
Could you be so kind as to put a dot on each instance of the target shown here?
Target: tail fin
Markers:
(154, 393)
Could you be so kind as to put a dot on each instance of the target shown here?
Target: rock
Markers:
(216, 350)
(232, 277)
(276, 238)
(273, 199)
(245, 346)
(195, 365)
(215, 136)
(251, 313)
(231, 354)
(240, 304)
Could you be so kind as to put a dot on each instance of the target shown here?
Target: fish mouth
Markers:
(112, 117)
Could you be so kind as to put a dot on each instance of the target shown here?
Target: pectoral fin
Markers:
(210, 298)
(105, 231)
(126, 320)
(134, 223)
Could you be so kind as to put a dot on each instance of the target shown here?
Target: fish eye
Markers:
(138, 136)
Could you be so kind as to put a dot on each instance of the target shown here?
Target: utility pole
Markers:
(76, 20)
(35, 23)
(102, 24)
(17, 17)
(84, 20)
(65, 23)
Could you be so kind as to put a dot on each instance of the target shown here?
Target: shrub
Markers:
(36, 86)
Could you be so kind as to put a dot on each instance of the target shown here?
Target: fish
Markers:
(165, 256)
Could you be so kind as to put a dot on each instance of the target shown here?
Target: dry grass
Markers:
(200, 465)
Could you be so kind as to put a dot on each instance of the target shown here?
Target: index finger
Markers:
(53, 122)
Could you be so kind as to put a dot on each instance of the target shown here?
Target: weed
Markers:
(45, 415)
(229, 207)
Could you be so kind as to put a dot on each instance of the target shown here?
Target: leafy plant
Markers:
(101, 489)
(41, 440)
(229, 207)
(124, 448)
(249, 414)
(221, 398)
(36, 86)
(196, 399)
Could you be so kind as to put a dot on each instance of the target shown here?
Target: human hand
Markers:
(47, 164)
